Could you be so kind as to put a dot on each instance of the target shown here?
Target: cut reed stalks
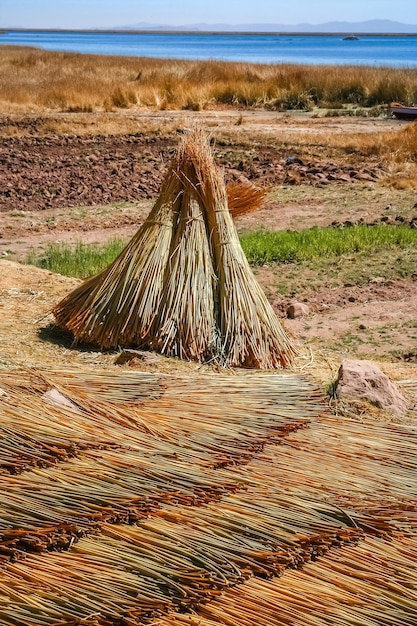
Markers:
(366, 469)
(244, 197)
(120, 304)
(185, 326)
(161, 564)
(201, 528)
(250, 332)
(137, 453)
(131, 453)
(112, 409)
(371, 584)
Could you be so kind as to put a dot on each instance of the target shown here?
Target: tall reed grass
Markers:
(397, 149)
(31, 78)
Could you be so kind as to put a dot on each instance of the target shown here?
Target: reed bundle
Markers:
(131, 453)
(118, 306)
(65, 589)
(183, 286)
(152, 569)
(367, 469)
(183, 413)
(251, 335)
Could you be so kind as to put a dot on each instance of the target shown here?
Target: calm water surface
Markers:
(316, 50)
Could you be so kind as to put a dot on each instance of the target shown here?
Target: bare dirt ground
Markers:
(41, 171)
(85, 185)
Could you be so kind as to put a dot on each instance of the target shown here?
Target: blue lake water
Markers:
(316, 50)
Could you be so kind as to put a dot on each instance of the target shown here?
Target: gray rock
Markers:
(297, 309)
(364, 380)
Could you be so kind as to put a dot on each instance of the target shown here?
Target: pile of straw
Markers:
(183, 286)
(118, 454)
(141, 499)
(371, 584)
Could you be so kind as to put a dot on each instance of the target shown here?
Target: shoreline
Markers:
(116, 31)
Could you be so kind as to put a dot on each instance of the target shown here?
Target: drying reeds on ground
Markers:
(129, 498)
(183, 286)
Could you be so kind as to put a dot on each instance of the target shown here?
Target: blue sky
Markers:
(102, 13)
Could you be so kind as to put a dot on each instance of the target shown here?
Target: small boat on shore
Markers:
(402, 112)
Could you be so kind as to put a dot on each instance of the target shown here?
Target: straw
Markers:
(119, 305)
(243, 197)
(185, 326)
(183, 286)
(189, 494)
(251, 333)
(371, 584)
(119, 455)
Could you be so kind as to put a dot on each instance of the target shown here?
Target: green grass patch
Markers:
(314, 243)
(317, 254)
(80, 261)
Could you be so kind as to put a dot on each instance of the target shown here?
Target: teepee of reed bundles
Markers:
(182, 286)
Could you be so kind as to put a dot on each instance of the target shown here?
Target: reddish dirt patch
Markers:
(39, 173)
(373, 321)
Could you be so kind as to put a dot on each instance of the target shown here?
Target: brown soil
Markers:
(41, 170)
(376, 321)
(90, 188)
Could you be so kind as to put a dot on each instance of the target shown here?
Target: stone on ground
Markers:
(297, 309)
(364, 380)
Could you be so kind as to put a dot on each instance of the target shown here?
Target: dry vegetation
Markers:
(66, 88)
(33, 79)
(397, 151)
(194, 295)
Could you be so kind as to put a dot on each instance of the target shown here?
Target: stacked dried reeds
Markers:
(144, 516)
(371, 584)
(183, 286)
(120, 454)
(119, 305)
(114, 580)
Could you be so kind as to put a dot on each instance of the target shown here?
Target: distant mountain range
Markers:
(370, 26)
